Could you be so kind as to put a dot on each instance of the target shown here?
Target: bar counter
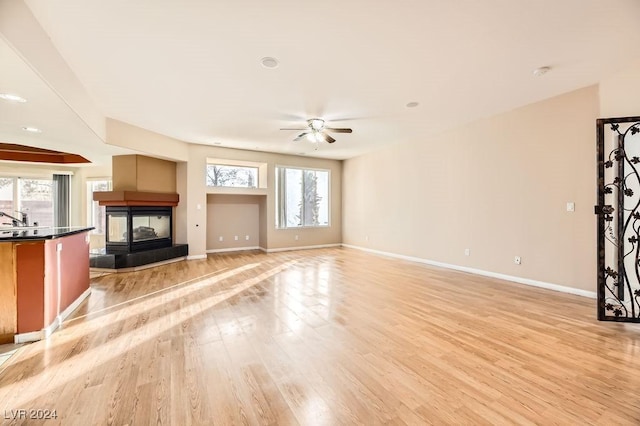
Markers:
(38, 232)
(43, 278)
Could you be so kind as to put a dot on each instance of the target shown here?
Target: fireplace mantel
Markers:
(136, 198)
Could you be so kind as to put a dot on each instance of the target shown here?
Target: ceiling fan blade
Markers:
(338, 130)
(327, 138)
(301, 135)
(293, 129)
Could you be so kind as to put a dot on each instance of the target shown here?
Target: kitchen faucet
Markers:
(15, 221)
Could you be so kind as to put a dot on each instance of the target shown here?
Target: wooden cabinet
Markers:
(8, 294)
(41, 282)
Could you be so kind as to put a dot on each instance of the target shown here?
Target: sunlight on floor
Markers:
(84, 362)
(6, 352)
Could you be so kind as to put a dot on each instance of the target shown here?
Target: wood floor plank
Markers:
(325, 337)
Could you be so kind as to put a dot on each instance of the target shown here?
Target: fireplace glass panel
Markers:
(117, 232)
(151, 227)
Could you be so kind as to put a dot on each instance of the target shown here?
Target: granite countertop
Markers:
(39, 232)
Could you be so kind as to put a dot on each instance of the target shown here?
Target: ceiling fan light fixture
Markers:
(316, 124)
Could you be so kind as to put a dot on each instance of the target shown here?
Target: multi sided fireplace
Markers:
(138, 228)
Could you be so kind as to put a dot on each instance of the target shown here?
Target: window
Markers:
(6, 199)
(232, 176)
(96, 213)
(302, 197)
(36, 199)
(32, 196)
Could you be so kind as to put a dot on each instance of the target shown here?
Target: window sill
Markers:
(234, 190)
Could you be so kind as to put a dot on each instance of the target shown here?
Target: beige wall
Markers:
(270, 237)
(230, 216)
(180, 211)
(144, 174)
(144, 141)
(498, 186)
(620, 93)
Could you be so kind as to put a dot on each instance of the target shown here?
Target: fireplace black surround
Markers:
(133, 229)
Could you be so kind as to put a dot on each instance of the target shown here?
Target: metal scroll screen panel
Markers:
(618, 213)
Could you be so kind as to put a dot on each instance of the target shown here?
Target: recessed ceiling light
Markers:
(12, 97)
(269, 62)
(412, 104)
(31, 129)
(217, 143)
(541, 71)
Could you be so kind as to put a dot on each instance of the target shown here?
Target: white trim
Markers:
(275, 250)
(196, 256)
(48, 331)
(520, 280)
(141, 267)
(34, 336)
(280, 187)
(73, 306)
(225, 250)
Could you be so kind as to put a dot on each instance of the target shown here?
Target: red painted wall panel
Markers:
(30, 276)
(49, 280)
(74, 268)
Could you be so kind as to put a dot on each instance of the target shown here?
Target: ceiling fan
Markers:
(316, 131)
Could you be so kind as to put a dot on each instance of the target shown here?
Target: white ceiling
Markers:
(62, 129)
(191, 69)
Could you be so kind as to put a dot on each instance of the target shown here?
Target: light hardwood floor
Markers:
(325, 337)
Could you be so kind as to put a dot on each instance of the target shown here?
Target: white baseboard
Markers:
(34, 336)
(520, 280)
(226, 250)
(275, 250)
(73, 306)
(197, 256)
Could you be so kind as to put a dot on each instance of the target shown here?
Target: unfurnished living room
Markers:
(319, 213)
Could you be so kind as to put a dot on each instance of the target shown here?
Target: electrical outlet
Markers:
(517, 260)
(221, 238)
(467, 252)
(571, 207)
(235, 237)
(295, 238)
(366, 238)
(246, 237)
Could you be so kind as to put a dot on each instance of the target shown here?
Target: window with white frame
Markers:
(30, 196)
(302, 197)
(96, 213)
(232, 176)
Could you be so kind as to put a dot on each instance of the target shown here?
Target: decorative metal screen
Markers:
(618, 213)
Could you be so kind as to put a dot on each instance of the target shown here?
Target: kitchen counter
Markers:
(44, 277)
(39, 232)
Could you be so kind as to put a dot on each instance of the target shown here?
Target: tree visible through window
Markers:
(6, 198)
(34, 197)
(303, 197)
(233, 176)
